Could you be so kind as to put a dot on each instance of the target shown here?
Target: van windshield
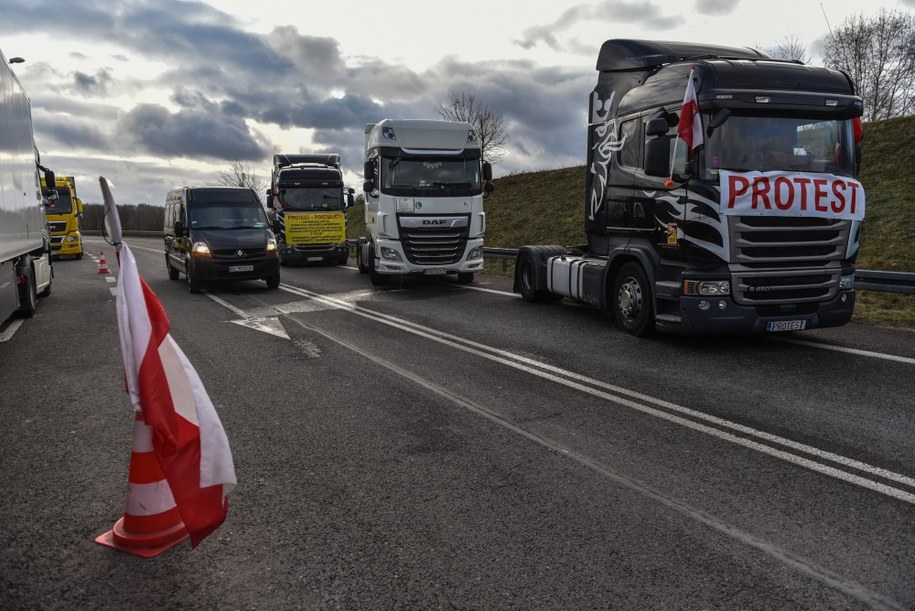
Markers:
(227, 215)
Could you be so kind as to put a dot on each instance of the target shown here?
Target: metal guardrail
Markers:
(865, 280)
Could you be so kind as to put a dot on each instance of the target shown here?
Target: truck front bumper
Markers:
(392, 260)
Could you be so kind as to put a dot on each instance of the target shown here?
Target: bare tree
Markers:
(241, 175)
(790, 48)
(878, 53)
(490, 125)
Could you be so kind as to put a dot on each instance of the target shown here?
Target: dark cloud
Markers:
(92, 85)
(716, 7)
(611, 12)
(68, 132)
(153, 130)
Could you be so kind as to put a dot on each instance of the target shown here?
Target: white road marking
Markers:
(736, 433)
(855, 351)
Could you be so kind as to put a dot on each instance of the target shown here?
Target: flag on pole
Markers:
(690, 126)
(189, 442)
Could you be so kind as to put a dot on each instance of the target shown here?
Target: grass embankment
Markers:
(548, 208)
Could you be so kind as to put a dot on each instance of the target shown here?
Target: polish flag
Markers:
(188, 441)
(690, 126)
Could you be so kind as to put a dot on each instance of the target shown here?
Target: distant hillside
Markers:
(548, 208)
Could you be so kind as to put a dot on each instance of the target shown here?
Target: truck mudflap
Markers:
(708, 315)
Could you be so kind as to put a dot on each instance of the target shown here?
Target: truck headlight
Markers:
(200, 249)
(707, 287)
(847, 282)
(475, 253)
(73, 238)
(389, 254)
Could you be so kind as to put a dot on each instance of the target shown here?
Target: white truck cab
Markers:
(424, 185)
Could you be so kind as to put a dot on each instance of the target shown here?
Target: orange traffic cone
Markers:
(102, 266)
(151, 522)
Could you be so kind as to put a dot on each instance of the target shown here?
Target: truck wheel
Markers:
(527, 276)
(272, 282)
(79, 255)
(194, 284)
(632, 300)
(376, 278)
(172, 272)
(28, 297)
(465, 277)
(361, 256)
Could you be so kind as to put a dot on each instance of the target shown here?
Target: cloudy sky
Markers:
(154, 94)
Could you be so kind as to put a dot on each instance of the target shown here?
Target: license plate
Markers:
(786, 325)
(314, 259)
(241, 268)
(434, 272)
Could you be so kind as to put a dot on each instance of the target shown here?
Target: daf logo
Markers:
(434, 221)
(240, 252)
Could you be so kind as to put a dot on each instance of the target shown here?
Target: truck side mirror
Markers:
(50, 179)
(487, 170)
(368, 186)
(270, 203)
(657, 155)
(368, 170)
(489, 187)
(657, 127)
(349, 198)
(180, 229)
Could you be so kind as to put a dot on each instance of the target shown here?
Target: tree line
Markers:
(134, 217)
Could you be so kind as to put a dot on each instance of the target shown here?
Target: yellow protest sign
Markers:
(315, 228)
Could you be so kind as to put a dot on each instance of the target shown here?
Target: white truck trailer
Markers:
(424, 185)
(25, 247)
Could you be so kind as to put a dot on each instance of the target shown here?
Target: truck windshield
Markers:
(748, 143)
(227, 215)
(299, 198)
(62, 205)
(430, 176)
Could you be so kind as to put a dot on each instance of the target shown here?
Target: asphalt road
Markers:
(434, 445)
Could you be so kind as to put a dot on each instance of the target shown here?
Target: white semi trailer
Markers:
(25, 246)
(424, 185)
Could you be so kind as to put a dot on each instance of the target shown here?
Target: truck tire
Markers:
(172, 272)
(28, 297)
(465, 277)
(376, 278)
(194, 284)
(527, 276)
(361, 256)
(632, 300)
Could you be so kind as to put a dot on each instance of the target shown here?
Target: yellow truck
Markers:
(63, 216)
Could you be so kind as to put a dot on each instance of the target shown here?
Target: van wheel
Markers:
(465, 277)
(194, 284)
(272, 282)
(632, 301)
(172, 272)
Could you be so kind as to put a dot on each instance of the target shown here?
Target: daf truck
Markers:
(308, 203)
(748, 223)
(424, 186)
(63, 216)
(25, 247)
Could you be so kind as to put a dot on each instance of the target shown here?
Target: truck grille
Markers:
(427, 246)
(785, 259)
(57, 226)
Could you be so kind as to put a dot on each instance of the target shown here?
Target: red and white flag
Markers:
(690, 126)
(189, 442)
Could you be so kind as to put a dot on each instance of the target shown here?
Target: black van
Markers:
(218, 233)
